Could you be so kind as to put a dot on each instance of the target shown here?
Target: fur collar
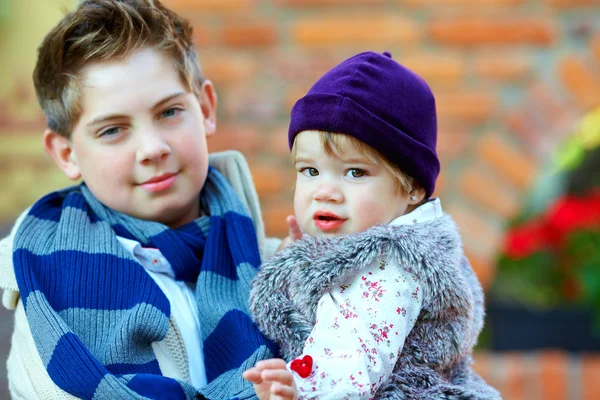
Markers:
(311, 267)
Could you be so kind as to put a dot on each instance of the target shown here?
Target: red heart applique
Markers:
(303, 367)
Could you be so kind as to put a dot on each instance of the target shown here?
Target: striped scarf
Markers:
(94, 311)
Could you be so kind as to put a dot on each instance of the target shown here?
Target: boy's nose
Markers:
(328, 192)
(152, 148)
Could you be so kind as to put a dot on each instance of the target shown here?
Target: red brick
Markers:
(553, 375)
(482, 364)
(238, 34)
(590, 377)
(487, 191)
(440, 184)
(452, 140)
(246, 102)
(574, 3)
(435, 67)
(305, 66)
(595, 47)
(507, 160)
(480, 31)
(274, 215)
(485, 271)
(503, 67)
(355, 30)
(325, 3)
(480, 238)
(235, 137)
(183, 6)
(515, 377)
(471, 107)
(202, 37)
(454, 3)
(268, 179)
(276, 144)
(228, 68)
(540, 120)
(578, 79)
(294, 93)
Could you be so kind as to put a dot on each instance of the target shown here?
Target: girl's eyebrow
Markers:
(304, 160)
(356, 160)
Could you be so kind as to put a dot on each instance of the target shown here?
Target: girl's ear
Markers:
(416, 196)
(61, 150)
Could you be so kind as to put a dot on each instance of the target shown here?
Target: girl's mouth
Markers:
(327, 221)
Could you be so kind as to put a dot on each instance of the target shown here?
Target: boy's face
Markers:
(342, 193)
(140, 144)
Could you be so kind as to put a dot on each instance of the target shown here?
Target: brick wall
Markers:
(548, 375)
(510, 76)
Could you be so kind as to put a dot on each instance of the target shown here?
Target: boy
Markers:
(378, 300)
(133, 284)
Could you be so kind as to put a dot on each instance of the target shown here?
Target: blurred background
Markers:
(517, 84)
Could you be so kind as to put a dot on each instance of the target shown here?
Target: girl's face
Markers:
(342, 193)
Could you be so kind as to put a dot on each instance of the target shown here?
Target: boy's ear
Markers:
(208, 105)
(61, 150)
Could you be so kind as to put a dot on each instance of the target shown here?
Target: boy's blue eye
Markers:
(170, 113)
(109, 132)
(356, 173)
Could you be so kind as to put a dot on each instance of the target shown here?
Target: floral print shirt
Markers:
(361, 326)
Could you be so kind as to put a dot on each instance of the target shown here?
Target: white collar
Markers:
(428, 211)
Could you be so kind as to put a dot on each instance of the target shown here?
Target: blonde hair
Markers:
(102, 30)
(334, 143)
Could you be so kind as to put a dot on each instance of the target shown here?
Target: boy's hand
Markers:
(294, 232)
(272, 380)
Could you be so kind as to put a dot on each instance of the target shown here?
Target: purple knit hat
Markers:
(381, 103)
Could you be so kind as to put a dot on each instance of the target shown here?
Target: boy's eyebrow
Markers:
(116, 116)
(167, 99)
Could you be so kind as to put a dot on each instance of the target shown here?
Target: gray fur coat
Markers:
(435, 362)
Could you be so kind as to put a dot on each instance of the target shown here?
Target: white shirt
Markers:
(361, 326)
(181, 296)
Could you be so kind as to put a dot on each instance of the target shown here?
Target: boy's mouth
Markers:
(327, 221)
(160, 182)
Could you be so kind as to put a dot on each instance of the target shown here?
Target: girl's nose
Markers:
(328, 192)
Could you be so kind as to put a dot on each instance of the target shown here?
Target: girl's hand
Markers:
(272, 380)
(294, 232)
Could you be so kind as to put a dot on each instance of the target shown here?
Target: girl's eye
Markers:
(170, 112)
(356, 173)
(309, 171)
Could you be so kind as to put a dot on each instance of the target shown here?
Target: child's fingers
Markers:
(293, 228)
(253, 375)
(282, 376)
(271, 363)
(283, 392)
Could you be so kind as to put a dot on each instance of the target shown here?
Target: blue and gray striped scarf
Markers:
(94, 312)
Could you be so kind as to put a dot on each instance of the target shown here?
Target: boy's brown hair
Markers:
(101, 30)
(333, 143)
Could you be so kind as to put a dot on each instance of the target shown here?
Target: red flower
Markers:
(565, 215)
(571, 213)
(524, 240)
